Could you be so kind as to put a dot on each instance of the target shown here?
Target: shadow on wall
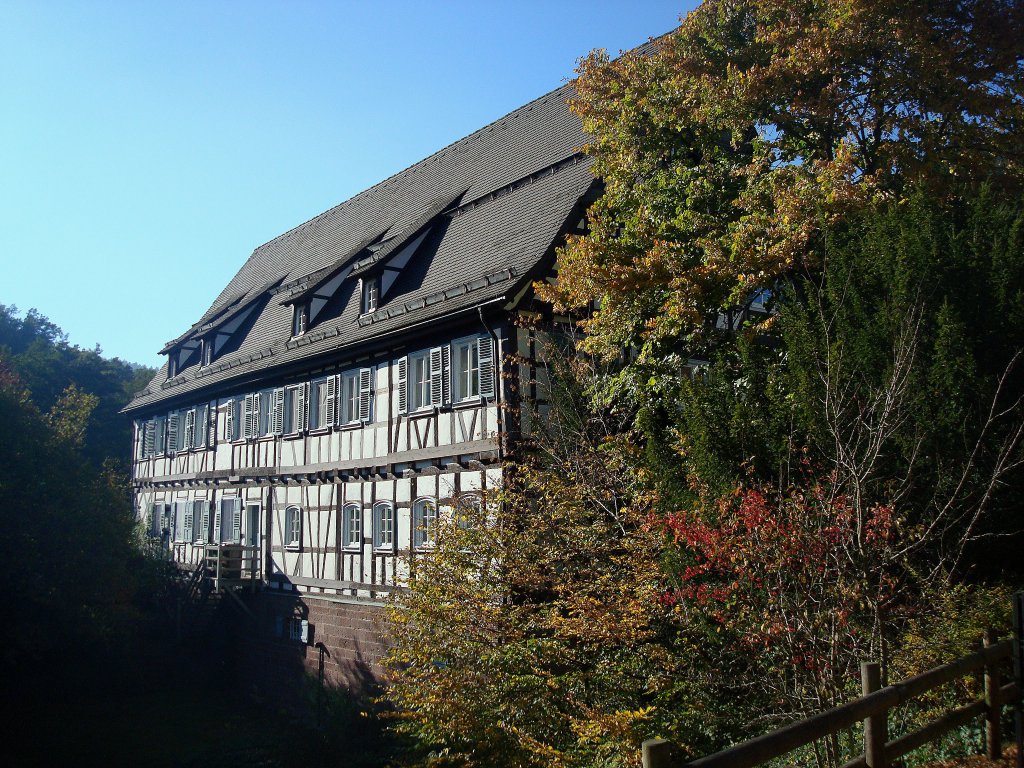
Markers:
(289, 639)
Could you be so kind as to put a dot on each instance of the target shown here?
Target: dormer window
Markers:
(300, 321)
(206, 356)
(371, 294)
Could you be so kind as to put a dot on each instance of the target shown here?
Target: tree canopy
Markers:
(800, 434)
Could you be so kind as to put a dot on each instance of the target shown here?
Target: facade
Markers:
(352, 384)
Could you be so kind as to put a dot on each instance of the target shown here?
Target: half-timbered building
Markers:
(350, 385)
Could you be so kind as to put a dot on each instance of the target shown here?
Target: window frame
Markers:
(315, 404)
(369, 294)
(472, 344)
(424, 536)
(346, 419)
(352, 512)
(294, 410)
(293, 527)
(380, 544)
(300, 319)
(422, 386)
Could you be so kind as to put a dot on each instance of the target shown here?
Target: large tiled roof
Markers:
(497, 199)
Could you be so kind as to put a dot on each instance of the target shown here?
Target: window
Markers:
(228, 523)
(467, 370)
(201, 521)
(356, 390)
(298, 629)
(352, 526)
(371, 294)
(206, 355)
(350, 398)
(474, 368)
(159, 520)
(424, 521)
(383, 525)
(322, 402)
(300, 319)
(419, 381)
(183, 520)
(293, 527)
(467, 510)
(294, 409)
(196, 425)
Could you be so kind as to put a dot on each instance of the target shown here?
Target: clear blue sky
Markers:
(147, 147)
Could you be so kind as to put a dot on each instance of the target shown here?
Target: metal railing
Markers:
(229, 565)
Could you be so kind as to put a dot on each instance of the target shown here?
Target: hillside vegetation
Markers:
(70, 563)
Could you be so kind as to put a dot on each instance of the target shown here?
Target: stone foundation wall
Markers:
(277, 667)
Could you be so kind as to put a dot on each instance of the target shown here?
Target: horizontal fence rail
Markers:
(872, 709)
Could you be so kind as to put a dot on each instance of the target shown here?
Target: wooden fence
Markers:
(872, 708)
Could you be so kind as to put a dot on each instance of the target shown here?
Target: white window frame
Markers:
(370, 295)
(293, 527)
(349, 398)
(419, 382)
(323, 403)
(352, 526)
(384, 526)
(466, 379)
(300, 319)
(294, 416)
(424, 523)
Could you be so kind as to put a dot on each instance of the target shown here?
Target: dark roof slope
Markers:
(515, 183)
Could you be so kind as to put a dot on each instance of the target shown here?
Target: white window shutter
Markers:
(302, 394)
(403, 387)
(229, 422)
(189, 523)
(190, 429)
(446, 374)
(250, 415)
(365, 391)
(248, 406)
(436, 371)
(148, 438)
(277, 412)
(202, 425)
(329, 418)
(486, 371)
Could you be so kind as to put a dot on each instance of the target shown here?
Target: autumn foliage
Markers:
(792, 436)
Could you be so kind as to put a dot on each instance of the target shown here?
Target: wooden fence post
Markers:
(876, 726)
(993, 735)
(657, 753)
